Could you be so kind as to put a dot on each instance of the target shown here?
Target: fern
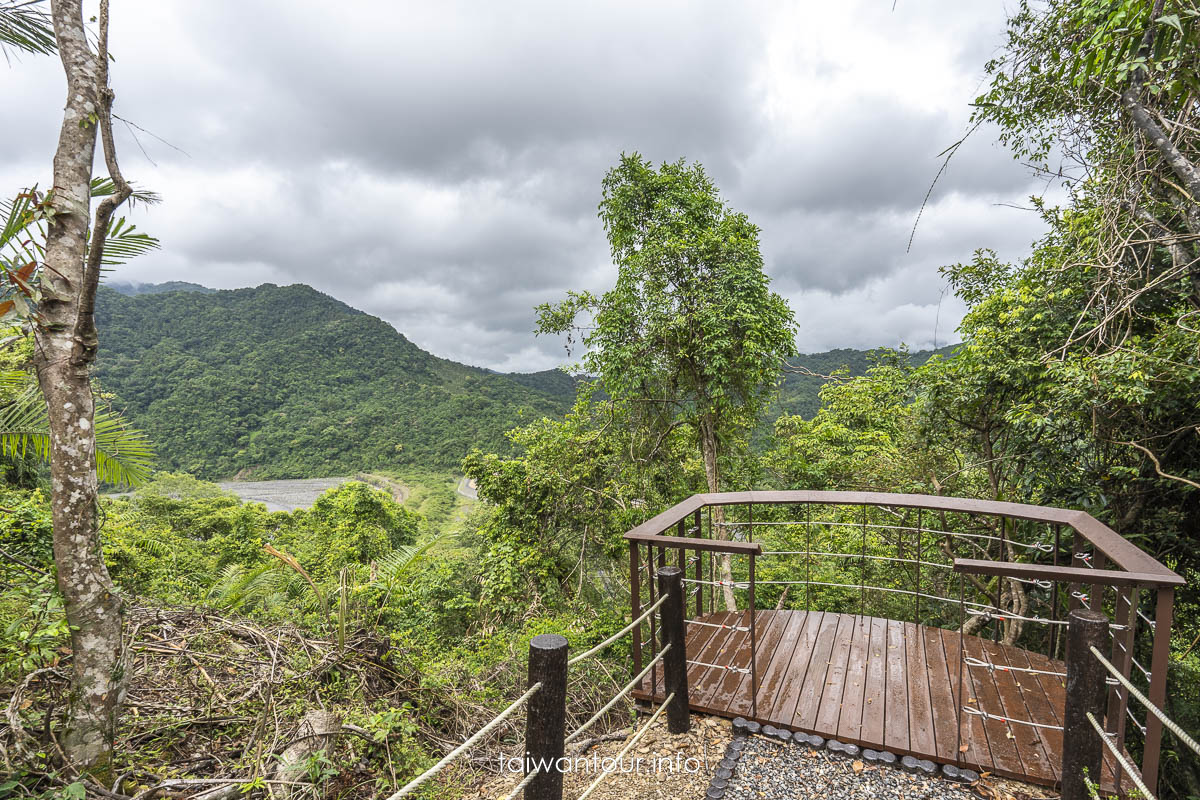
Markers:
(397, 563)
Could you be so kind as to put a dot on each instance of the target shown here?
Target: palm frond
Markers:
(22, 232)
(24, 26)
(124, 242)
(104, 186)
(124, 454)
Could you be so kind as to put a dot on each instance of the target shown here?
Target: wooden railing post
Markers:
(1164, 610)
(670, 584)
(1082, 748)
(545, 721)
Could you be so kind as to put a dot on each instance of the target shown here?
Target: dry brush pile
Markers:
(220, 707)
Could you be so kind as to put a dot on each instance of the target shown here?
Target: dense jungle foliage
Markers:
(288, 382)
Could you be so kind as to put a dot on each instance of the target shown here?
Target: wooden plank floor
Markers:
(882, 684)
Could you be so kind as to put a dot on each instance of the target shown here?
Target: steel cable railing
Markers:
(1044, 547)
(979, 712)
(1042, 563)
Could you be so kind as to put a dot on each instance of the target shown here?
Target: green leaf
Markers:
(1173, 21)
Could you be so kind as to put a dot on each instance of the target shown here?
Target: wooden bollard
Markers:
(545, 719)
(1082, 748)
(675, 678)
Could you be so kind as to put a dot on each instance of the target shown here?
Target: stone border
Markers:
(743, 729)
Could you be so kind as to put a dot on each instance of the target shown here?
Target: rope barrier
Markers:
(618, 634)
(521, 786)
(1147, 620)
(971, 661)
(740, 670)
(1116, 751)
(626, 690)
(629, 746)
(1167, 722)
(416, 782)
(979, 712)
(737, 628)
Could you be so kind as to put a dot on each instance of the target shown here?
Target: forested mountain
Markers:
(285, 381)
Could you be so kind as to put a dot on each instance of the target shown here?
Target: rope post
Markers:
(670, 585)
(1082, 748)
(545, 720)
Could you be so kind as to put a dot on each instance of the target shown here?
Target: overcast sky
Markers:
(439, 164)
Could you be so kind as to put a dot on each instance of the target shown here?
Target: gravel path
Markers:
(776, 771)
(662, 766)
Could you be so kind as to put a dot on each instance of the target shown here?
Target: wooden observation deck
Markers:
(806, 652)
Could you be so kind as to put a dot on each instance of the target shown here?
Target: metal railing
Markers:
(1009, 570)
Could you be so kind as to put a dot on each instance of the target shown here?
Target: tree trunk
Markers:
(64, 349)
(708, 449)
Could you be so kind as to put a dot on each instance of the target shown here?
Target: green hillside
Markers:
(799, 393)
(283, 381)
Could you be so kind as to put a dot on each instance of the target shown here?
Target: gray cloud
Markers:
(439, 165)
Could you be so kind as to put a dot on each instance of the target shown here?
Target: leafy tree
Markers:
(558, 509)
(691, 335)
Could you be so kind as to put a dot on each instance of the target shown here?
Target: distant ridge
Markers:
(799, 393)
(134, 289)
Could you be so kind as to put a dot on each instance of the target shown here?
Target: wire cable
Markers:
(979, 712)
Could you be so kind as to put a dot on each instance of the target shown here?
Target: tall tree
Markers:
(691, 335)
(65, 348)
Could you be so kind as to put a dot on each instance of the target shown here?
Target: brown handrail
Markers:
(1099, 577)
(1117, 548)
